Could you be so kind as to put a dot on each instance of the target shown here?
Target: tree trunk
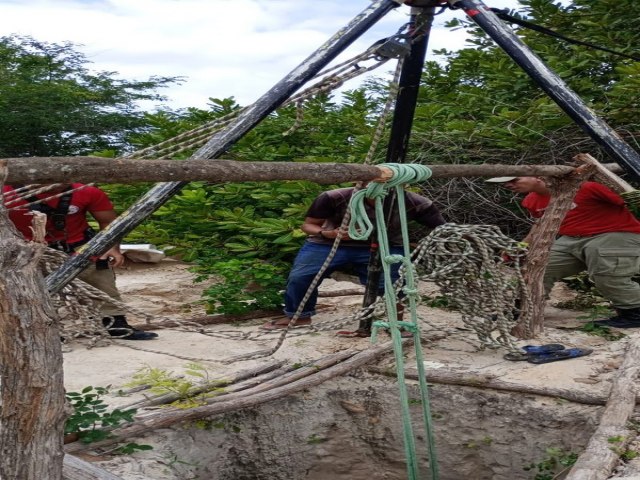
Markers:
(119, 170)
(542, 236)
(31, 389)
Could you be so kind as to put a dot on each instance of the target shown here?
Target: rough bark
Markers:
(166, 418)
(542, 236)
(31, 389)
(108, 170)
(597, 460)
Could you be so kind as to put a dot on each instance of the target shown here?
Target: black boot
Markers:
(626, 318)
(117, 326)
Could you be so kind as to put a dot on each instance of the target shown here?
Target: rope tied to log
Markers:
(467, 263)
(360, 228)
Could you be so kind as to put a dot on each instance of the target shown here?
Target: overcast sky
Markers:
(223, 48)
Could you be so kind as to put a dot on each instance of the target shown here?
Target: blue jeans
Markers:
(307, 264)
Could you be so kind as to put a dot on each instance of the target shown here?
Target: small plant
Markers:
(587, 296)
(439, 301)
(248, 285)
(91, 419)
(186, 389)
(557, 462)
(314, 439)
(601, 331)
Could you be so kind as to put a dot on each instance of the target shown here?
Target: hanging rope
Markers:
(327, 81)
(360, 228)
(467, 262)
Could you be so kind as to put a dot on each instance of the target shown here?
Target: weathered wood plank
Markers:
(597, 460)
(76, 469)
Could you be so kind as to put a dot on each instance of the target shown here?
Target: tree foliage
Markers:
(51, 104)
(210, 224)
(477, 106)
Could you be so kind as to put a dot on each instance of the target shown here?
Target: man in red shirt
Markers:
(67, 229)
(598, 234)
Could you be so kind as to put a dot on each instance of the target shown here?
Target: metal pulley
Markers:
(397, 46)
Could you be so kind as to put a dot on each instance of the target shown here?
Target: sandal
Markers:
(559, 355)
(532, 351)
(279, 325)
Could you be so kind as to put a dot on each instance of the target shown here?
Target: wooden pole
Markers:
(108, 170)
(612, 435)
(31, 382)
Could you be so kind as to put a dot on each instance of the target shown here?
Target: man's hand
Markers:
(333, 234)
(115, 257)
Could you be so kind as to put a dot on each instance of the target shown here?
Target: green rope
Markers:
(360, 228)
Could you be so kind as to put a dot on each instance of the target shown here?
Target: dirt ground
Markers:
(166, 289)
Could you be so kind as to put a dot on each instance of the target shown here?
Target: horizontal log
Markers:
(118, 170)
(479, 379)
(109, 170)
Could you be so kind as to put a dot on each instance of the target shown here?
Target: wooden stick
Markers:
(597, 460)
(480, 379)
(75, 469)
(213, 384)
(606, 176)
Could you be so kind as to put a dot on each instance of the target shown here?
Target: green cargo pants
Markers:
(610, 259)
(104, 280)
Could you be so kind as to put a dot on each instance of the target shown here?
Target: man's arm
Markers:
(104, 218)
(313, 227)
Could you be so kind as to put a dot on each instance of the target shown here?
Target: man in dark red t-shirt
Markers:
(598, 234)
(66, 207)
(321, 224)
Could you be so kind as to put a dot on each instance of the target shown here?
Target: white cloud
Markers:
(224, 48)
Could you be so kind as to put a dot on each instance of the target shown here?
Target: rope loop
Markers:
(360, 226)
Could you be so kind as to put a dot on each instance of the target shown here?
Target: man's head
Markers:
(521, 184)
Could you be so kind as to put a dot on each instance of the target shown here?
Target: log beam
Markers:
(119, 170)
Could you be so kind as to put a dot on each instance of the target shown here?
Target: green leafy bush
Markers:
(90, 419)
(248, 285)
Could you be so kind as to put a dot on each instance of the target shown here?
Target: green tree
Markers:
(477, 106)
(256, 223)
(51, 104)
